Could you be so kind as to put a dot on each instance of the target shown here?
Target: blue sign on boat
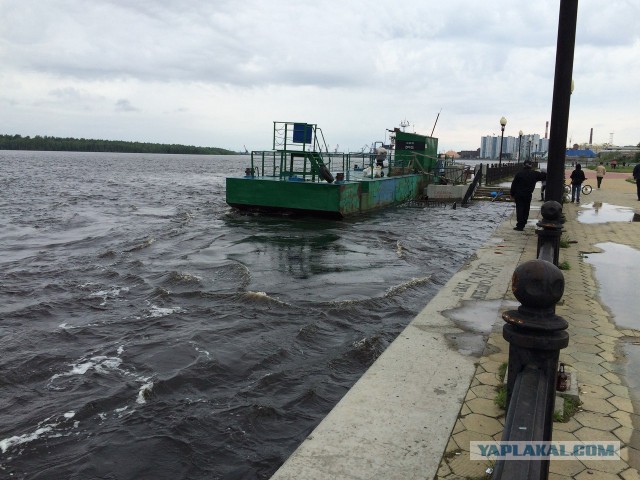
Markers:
(302, 133)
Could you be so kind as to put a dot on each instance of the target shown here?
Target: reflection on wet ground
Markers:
(598, 212)
(616, 273)
(477, 319)
(631, 351)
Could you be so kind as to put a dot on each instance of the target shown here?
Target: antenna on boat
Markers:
(404, 124)
(434, 125)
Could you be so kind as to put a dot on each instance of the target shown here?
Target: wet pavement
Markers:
(416, 410)
(599, 212)
(600, 303)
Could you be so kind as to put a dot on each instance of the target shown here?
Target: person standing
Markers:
(522, 188)
(636, 175)
(600, 172)
(543, 185)
(577, 178)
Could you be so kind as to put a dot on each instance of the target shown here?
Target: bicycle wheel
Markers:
(586, 189)
(567, 189)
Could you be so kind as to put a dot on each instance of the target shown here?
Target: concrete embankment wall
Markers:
(396, 420)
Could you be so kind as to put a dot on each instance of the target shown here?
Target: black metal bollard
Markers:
(549, 231)
(535, 335)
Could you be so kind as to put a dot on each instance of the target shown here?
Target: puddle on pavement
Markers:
(617, 275)
(631, 351)
(598, 212)
(477, 319)
(614, 271)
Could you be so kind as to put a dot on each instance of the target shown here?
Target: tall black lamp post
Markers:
(519, 145)
(529, 157)
(503, 123)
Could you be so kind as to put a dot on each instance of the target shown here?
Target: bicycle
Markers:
(586, 189)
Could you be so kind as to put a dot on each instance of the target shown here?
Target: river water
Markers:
(149, 331)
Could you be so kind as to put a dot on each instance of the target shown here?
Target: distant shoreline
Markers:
(57, 144)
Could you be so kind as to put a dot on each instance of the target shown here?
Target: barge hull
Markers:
(338, 200)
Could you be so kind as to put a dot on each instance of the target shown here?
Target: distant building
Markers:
(469, 154)
(514, 147)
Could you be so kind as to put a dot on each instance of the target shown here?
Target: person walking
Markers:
(636, 175)
(543, 185)
(600, 172)
(522, 186)
(577, 178)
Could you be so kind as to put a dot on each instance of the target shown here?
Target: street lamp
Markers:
(519, 144)
(503, 123)
(529, 157)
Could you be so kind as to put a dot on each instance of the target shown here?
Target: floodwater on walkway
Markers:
(616, 273)
(599, 212)
(477, 319)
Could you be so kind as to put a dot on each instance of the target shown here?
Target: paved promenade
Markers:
(414, 412)
(606, 411)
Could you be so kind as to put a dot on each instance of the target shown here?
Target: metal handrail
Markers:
(535, 335)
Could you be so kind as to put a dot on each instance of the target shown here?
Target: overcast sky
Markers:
(219, 72)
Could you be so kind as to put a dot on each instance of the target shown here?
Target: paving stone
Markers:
(624, 434)
(591, 434)
(465, 437)
(482, 424)
(485, 406)
(443, 470)
(587, 357)
(562, 436)
(470, 395)
(595, 391)
(612, 467)
(465, 410)
(463, 466)
(608, 339)
(597, 421)
(618, 390)
(555, 476)
(620, 403)
(569, 468)
(451, 447)
(488, 379)
(589, 368)
(610, 331)
(589, 332)
(609, 366)
(630, 474)
(626, 419)
(491, 366)
(586, 348)
(571, 426)
(599, 405)
(588, 340)
(612, 377)
(593, 379)
(485, 391)
(609, 356)
(595, 475)
(458, 427)
(582, 322)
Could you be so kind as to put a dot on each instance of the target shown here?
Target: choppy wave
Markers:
(143, 320)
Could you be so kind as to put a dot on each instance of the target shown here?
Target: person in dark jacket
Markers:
(522, 188)
(577, 178)
(636, 175)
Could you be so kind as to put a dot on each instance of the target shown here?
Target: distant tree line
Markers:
(18, 142)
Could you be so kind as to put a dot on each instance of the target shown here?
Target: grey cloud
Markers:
(124, 105)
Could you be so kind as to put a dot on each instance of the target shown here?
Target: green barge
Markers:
(301, 176)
